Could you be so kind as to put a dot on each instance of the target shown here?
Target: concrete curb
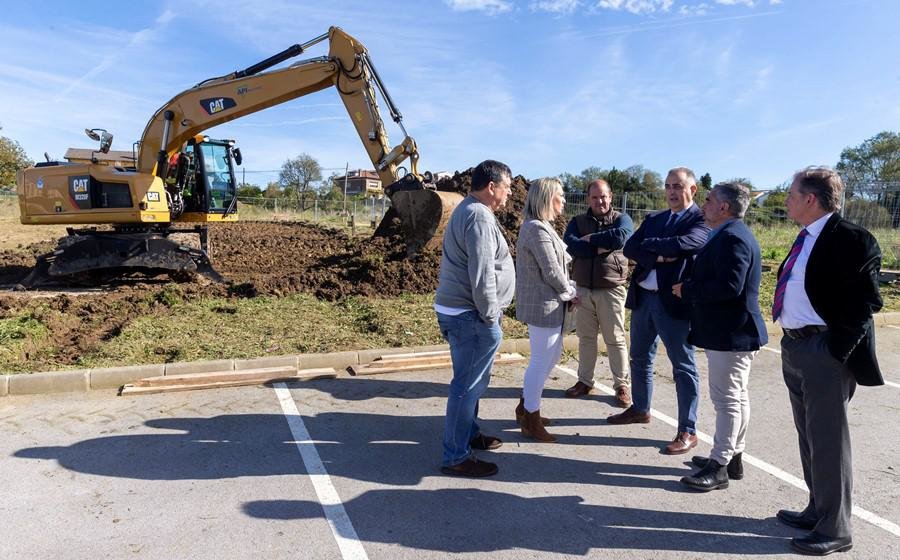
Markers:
(114, 377)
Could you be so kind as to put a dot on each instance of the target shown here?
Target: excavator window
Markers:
(219, 179)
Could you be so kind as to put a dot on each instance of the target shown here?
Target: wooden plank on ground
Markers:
(213, 376)
(385, 357)
(219, 380)
(427, 362)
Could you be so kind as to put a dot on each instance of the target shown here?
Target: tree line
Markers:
(870, 170)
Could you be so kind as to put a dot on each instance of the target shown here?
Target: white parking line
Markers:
(880, 522)
(892, 326)
(888, 383)
(338, 520)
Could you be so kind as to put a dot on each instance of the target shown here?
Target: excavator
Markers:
(175, 180)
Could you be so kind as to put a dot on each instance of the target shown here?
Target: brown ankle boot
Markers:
(520, 413)
(533, 427)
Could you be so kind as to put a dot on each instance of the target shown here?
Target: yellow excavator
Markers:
(177, 175)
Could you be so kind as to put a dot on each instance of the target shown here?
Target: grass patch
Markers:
(247, 328)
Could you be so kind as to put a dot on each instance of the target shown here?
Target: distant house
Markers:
(758, 198)
(360, 181)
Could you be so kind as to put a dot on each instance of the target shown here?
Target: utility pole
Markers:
(346, 172)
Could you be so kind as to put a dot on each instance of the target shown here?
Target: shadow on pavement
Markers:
(471, 520)
(387, 449)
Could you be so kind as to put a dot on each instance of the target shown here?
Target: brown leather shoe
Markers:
(683, 442)
(471, 468)
(623, 397)
(579, 390)
(520, 413)
(629, 416)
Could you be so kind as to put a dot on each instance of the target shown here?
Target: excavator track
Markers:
(90, 257)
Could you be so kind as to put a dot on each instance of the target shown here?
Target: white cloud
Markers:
(748, 3)
(555, 6)
(489, 6)
(696, 10)
(637, 6)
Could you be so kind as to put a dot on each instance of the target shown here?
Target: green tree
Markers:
(273, 190)
(706, 182)
(297, 177)
(12, 159)
(865, 167)
(248, 190)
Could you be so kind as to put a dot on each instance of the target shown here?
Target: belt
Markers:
(804, 332)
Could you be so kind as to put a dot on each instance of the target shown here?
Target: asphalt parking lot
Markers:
(349, 468)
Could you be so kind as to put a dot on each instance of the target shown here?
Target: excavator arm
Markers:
(348, 68)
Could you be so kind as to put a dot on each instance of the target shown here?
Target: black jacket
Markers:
(842, 286)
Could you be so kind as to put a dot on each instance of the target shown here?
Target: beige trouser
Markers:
(602, 310)
(729, 374)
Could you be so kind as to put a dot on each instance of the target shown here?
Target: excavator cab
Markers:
(201, 181)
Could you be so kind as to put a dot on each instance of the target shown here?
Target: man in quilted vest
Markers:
(595, 240)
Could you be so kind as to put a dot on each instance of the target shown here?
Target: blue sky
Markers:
(737, 88)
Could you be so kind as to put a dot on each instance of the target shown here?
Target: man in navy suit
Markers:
(723, 292)
(662, 247)
(826, 294)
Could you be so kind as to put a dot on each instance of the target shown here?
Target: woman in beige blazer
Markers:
(543, 291)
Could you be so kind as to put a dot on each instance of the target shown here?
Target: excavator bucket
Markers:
(423, 216)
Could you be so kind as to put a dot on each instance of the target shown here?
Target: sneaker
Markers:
(471, 468)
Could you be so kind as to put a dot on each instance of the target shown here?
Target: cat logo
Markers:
(217, 104)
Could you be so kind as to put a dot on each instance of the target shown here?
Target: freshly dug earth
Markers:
(256, 258)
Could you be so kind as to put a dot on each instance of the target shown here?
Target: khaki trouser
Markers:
(602, 310)
(729, 374)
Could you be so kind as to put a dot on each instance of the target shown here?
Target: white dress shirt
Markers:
(798, 312)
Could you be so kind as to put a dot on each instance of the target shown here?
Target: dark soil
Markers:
(256, 258)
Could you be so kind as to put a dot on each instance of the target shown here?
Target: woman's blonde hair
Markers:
(539, 200)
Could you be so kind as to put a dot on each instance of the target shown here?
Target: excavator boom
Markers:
(172, 178)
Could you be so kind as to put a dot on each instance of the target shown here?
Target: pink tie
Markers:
(781, 286)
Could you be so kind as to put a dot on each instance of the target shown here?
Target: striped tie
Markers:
(781, 286)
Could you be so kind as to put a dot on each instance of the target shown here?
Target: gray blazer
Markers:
(541, 275)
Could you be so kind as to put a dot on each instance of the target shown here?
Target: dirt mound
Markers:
(510, 216)
(256, 258)
(284, 258)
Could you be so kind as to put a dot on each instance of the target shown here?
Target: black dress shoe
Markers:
(711, 477)
(471, 468)
(482, 442)
(817, 544)
(735, 465)
(797, 519)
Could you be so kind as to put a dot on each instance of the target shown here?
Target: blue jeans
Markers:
(473, 345)
(650, 322)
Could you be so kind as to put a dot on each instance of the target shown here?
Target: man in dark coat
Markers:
(662, 248)
(826, 294)
(723, 292)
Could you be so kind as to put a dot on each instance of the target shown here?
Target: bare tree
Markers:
(297, 177)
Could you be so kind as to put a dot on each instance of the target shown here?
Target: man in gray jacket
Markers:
(476, 282)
